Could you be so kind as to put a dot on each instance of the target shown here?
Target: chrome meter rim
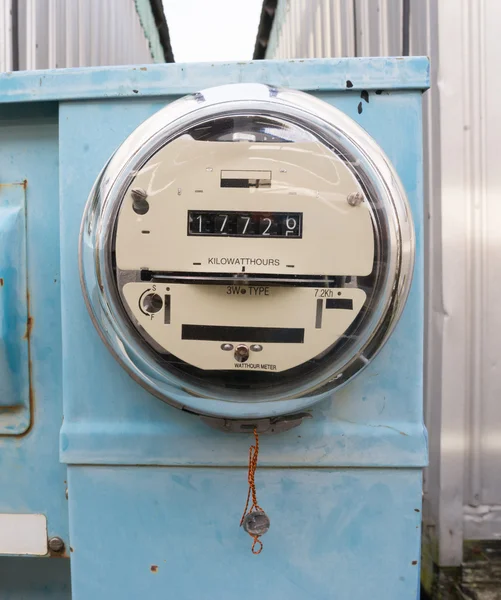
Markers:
(390, 213)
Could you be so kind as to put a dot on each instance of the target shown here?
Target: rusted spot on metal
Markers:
(23, 183)
(143, 68)
(29, 326)
(1, 281)
(11, 409)
(71, 549)
(59, 554)
(414, 562)
(154, 568)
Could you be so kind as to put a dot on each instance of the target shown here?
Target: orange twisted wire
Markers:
(253, 458)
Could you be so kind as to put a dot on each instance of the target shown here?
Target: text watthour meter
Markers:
(246, 251)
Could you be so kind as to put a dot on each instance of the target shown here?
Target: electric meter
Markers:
(246, 251)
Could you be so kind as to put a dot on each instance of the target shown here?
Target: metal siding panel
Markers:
(303, 53)
(368, 15)
(346, 29)
(72, 33)
(83, 33)
(455, 196)
(103, 40)
(30, 34)
(95, 32)
(310, 17)
(5, 35)
(465, 331)
(338, 36)
(53, 34)
(391, 27)
(488, 125)
(41, 40)
(325, 28)
(318, 31)
(294, 17)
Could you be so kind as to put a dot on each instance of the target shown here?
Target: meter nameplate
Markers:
(291, 324)
(298, 191)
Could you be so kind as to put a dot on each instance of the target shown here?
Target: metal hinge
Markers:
(271, 425)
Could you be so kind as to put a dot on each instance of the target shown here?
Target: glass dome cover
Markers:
(319, 227)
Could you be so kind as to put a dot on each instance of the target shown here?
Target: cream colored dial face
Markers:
(243, 210)
(282, 326)
(188, 175)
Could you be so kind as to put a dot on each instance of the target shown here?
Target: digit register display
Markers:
(245, 224)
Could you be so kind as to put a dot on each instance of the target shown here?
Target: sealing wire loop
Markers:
(253, 458)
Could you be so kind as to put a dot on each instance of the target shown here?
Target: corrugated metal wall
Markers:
(71, 33)
(462, 121)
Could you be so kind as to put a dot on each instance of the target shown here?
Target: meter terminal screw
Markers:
(56, 544)
(152, 303)
(227, 347)
(256, 348)
(241, 353)
(355, 199)
(139, 203)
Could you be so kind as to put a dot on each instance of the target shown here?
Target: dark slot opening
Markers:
(245, 183)
(243, 179)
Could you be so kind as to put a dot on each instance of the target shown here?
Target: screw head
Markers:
(140, 204)
(256, 347)
(241, 353)
(227, 347)
(56, 544)
(355, 199)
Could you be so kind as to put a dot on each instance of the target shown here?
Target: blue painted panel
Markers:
(31, 478)
(14, 324)
(344, 534)
(329, 74)
(34, 579)
(109, 419)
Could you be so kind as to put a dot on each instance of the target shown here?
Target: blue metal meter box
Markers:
(197, 260)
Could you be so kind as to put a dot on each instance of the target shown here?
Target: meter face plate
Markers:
(243, 242)
(246, 244)
(287, 325)
(243, 227)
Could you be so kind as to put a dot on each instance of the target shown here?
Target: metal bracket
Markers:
(271, 425)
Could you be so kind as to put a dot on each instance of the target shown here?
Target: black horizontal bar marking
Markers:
(224, 333)
(346, 303)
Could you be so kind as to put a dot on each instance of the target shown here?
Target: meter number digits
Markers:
(245, 224)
